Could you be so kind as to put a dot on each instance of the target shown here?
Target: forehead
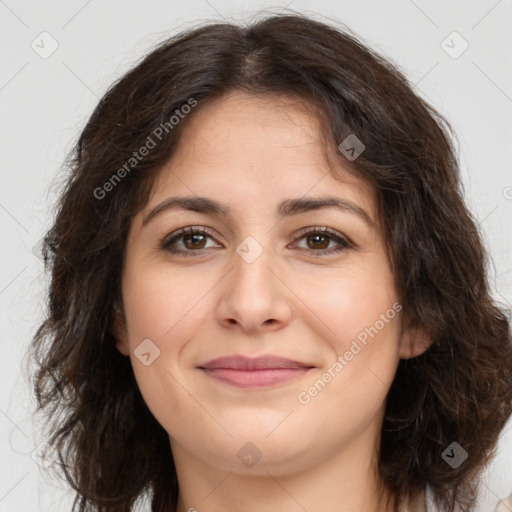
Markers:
(246, 149)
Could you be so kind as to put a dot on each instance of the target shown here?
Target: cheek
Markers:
(359, 316)
(349, 391)
(163, 305)
(162, 308)
(164, 311)
(348, 304)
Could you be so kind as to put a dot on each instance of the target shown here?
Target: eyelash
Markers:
(167, 242)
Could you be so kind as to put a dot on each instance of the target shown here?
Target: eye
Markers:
(192, 238)
(195, 238)
(318, 239)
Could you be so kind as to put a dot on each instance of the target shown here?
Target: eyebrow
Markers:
(286, 208)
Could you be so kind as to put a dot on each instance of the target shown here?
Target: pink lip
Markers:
(254, 372)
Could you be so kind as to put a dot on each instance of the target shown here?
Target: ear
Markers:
(118, 329)
(415, 340)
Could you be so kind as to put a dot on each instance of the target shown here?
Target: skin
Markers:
(250, 153)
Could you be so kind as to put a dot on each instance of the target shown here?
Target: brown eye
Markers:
(191, 239)
(194, 241)
(318, 239)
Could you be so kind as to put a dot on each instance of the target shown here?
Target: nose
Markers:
(255, 296)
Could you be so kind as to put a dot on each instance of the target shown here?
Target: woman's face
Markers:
(261, 279)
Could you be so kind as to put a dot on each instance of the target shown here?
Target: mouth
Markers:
(257, 372)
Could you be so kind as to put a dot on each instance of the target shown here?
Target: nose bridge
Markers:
(252, 277)
(254, 296)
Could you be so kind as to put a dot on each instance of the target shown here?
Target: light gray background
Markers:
(46, 101)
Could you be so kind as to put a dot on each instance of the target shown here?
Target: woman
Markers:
(266, 289)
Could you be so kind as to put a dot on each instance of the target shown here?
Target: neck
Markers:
(344, 480)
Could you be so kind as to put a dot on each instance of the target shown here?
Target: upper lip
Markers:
(257, 363)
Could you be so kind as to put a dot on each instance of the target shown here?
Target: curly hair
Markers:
(460, 389)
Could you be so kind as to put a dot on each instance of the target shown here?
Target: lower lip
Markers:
(255, 378)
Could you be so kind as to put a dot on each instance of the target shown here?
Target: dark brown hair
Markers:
(459, 390)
